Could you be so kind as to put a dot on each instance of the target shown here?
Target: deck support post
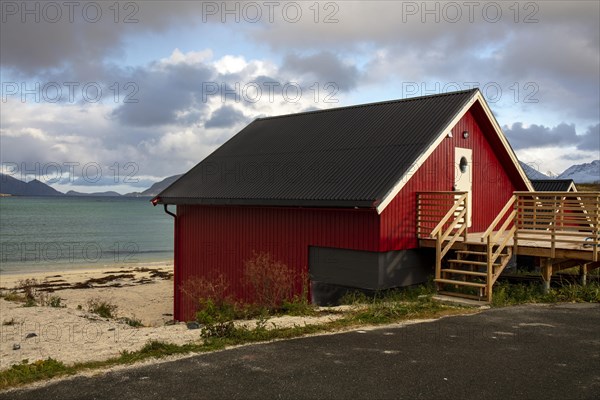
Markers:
(583, 269)
(546, 273)
(490, 271)
(438, 259)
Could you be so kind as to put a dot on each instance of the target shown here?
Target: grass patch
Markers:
(102, 308)
(512, 294)
(30, 372)
(55, 301)
(133, 322)
(154, 349)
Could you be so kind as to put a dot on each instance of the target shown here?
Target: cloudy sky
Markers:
(114, 96)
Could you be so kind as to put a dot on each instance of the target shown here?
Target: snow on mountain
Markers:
(583, 173)
(532, 172)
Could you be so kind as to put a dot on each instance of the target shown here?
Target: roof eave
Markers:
(308, 203)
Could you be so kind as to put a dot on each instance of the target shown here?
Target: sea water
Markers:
(56, 233)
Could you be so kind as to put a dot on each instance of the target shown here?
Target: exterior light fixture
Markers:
(466, 134)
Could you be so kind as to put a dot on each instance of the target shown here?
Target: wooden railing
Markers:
(443, 216)
(498, 236)
(571, 218)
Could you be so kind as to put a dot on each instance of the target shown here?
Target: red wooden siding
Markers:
(212, 240)
(492, 183)
(218, 239)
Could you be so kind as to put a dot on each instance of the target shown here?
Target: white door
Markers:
(463, 176)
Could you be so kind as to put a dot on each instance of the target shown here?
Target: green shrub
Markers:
(55, 301)
(211, 312)
(102, 308)
(224, 329)
(30, 302)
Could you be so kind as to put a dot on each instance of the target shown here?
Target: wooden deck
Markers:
(559, 229)
(564, 248)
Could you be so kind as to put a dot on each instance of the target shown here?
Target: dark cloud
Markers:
(79, 35)
(540, 136)
(167, 95)
(179, 93)
(590, 140)
(225, 117)
(324, 67)
(536, 136)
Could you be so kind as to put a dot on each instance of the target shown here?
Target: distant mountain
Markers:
(134, 194)
(16, 187)
(532, 173)
(583, 173)
(96, 194)
(158, 186)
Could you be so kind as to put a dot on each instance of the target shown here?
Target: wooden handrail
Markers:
(559, 217)
(440, 192)
(498, 218)
(452, 217)
(564, 194)
(457, 203)
(507, 222)
(461, 215)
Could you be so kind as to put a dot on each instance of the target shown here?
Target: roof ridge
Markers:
(377, 103)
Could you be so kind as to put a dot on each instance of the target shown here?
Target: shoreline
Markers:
(68, 267)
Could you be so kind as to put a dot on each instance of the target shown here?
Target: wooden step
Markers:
(460, 283)
(469, 262)
(479, 253)
(460, 271)
(464, 296)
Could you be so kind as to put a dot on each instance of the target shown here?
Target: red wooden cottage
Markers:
(333, 192)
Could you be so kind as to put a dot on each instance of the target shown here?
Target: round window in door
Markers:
(463, 164)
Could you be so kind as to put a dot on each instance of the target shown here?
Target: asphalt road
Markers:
(525, 352)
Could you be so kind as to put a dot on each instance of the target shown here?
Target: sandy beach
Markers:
(71, 334)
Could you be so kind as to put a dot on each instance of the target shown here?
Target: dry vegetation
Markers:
(588, 187)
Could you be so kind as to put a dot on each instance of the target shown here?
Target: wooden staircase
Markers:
(474, 268)
(468, 271)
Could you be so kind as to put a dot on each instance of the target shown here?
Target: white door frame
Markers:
(463, 181)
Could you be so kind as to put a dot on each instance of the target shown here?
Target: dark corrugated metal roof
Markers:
(341, 157)
(551, 185)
